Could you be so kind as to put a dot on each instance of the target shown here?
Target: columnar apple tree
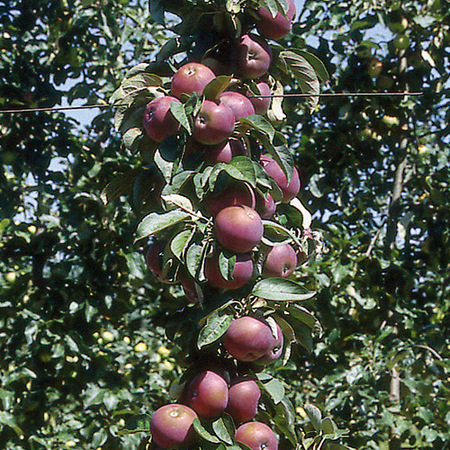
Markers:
(217, 200)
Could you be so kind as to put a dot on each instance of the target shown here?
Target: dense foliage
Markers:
(81, 322)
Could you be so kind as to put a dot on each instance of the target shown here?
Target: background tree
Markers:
(80, 322)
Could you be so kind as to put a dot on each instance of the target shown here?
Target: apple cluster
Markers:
(237, 209)
(223, 196)
(211, 393)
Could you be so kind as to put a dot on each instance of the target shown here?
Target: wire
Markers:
(325, 94)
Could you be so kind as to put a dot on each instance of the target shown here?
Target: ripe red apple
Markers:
(154, 258)
(280, 262)
(248, 338)
(243, 271)
(239, 104)
(253, 56)
(274, 170)
(261, 104)
(189, 287)
(275, 27)
(244, 395)
(265, 207)
(234, 194)
(158, 121)
(214, 123)
(238, 228)
(190, 78)
(275, 351)
(374, 67)
(171, 426)
(257, 436)
(208, 394)
(224, 152)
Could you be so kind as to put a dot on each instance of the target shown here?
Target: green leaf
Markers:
(215, 87)
(139, 81)
(226, 265)
(259, 124)
(276, 233)
(179, 112)
(174, 201)
(329, 427)
(306, 215)
(9, 420)
(180, 242)
(204, 433)
(285, 420)
(132, 136)
(317, 64)
(305, 75)
(271, 6)
(195, 258)
(216, 326)
(119, 185)
(225, 429)
(303, 315)
(281, 289)
(273, 386)
(156, 222)
(136, 424)
(314, 415)
(275, 112)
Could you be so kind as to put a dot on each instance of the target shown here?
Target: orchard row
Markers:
(222, 216)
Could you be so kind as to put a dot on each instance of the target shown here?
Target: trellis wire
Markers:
(299, 95)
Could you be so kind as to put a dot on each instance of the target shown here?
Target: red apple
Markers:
(234, 194)
(208, 394)
(214, 123)
(224, 152)
(154, 258)
(171, 426)
(275, 27)
(265, 207)
(243, 271)
(253, 56)
(262, 103)
(190, 78)
(244, 395)
(274, 170)
(239, 104)
(189, 287)
(248, 338)
(238, 228)
(275, 351)
(159, 122)
(280, 262)
(257, 436)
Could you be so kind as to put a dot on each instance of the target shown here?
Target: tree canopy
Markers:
(82, 321)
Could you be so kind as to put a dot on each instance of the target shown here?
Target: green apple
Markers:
(374, 67)
(11, 277)
(398, 26)
(390, 121)
(401, 42)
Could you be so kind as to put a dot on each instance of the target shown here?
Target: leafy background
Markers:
(82, 322)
